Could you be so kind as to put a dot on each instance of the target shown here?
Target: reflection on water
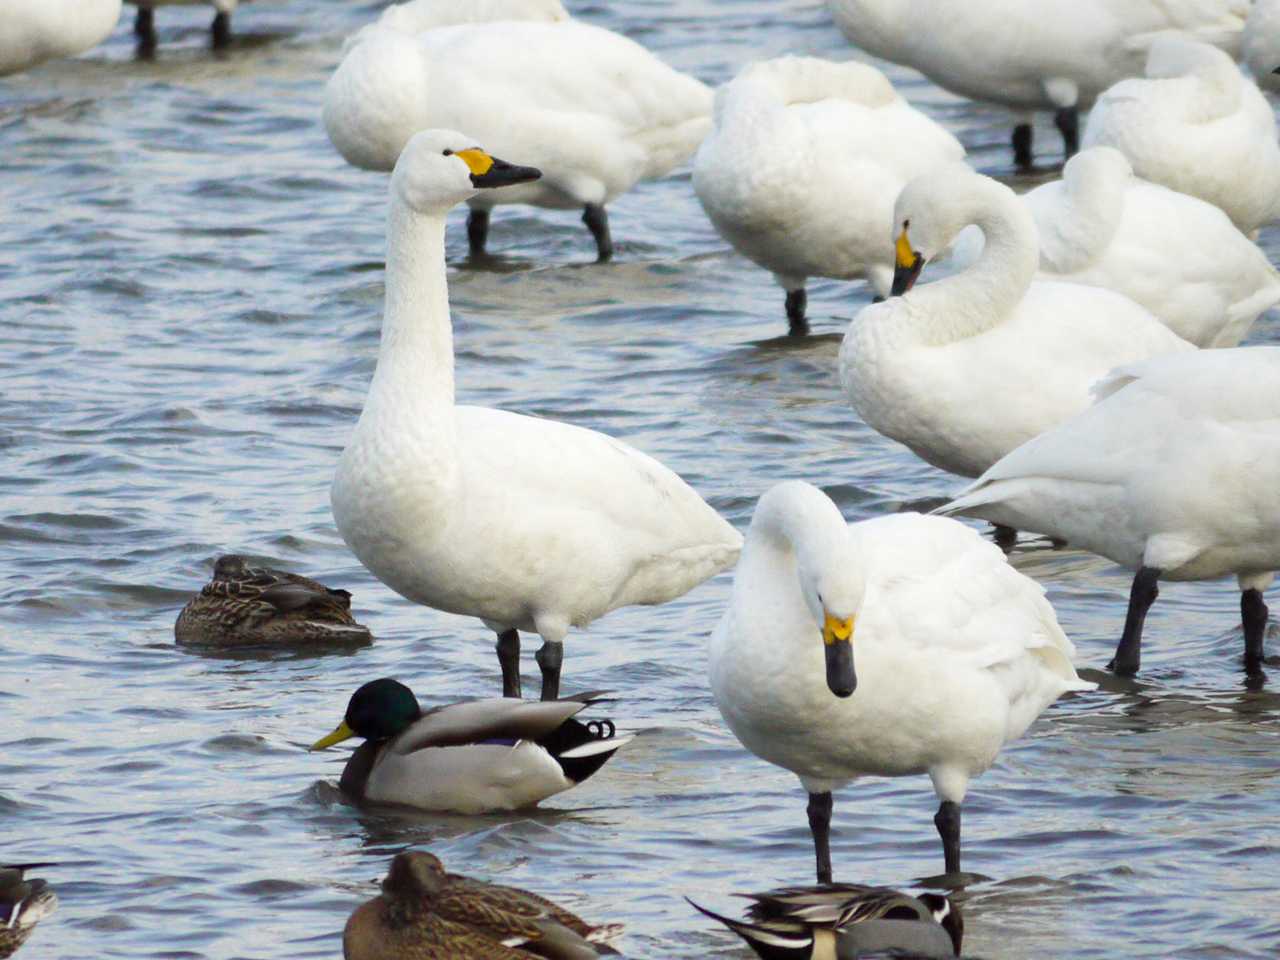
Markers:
(189, 308)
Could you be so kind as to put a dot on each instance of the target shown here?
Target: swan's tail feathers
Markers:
(1241, 316)
(973, 498)
(1224, 34)
(789, 942)
(666, 147)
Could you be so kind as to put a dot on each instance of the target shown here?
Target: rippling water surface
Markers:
(190, 296)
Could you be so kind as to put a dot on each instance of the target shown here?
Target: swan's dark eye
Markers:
(448, 153)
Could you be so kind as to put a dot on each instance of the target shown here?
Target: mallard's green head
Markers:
(379, 710)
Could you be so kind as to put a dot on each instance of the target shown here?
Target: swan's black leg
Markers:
(1022, 146)
(477, 231)
(509, 659)
(797, 301)
(1006, 538)
(947, 820)
(820, 805)
(1141, 596)
(1254, 612)
(549, 658)
(221, 29)
(144, 28)
(597, 221)
(1068, 123)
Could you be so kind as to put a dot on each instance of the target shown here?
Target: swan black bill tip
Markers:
(904, 278)
(503, 174)
(841, 679)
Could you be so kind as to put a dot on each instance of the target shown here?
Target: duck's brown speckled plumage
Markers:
(245, 604)
(425, 913)
(23, 903)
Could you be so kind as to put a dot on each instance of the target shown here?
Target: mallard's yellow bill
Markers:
(477, 160)
(340, 733)
(835, 629)
(904, 256)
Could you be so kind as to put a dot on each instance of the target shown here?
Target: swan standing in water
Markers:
(900, 645)
(1197, 125)
(1174, 473)
(33, 31)
(1031, 55)
(144, 24)
(595, 111)
(526, 523)
(1261, 46)
(967, 368)
(1178, 256)
(769, 122)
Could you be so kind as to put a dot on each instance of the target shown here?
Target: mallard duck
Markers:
(847, 920)
(23, 904)
(243, 604)
(425, 913)
(468, 757)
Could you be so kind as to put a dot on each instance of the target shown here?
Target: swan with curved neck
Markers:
(595, 111)
(964, 369)
(1192, 124)
(797, 226)
(528, 524)
(1029, 55)
(827, 664)
(33, 31)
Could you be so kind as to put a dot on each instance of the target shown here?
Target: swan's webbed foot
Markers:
(1068, 123)
(220, 30)
(819, 810)
(549, 658)
(1253, 611)
(1142, 595)
(597, 221)
(797, 322)
(947, 820)
(477, 231)
(1022, 134)
(508, 647)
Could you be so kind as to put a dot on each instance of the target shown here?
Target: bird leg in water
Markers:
(947, 820)
(508, 647)
(1006, 538)
(477, 231)
(144, 27)
(1253, 610)
(1022, 146)
(1068, 123)
(797, 301)
(819, 810)
(221, 29)
(549, 658)
(1141, 596)
(597, 221)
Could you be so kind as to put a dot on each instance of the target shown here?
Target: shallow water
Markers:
(190, 295)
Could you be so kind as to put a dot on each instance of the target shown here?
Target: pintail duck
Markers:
(468, 757)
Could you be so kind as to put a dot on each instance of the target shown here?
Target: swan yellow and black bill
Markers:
(340, 733)
(837, 641)
(487, 171)
(907, 265)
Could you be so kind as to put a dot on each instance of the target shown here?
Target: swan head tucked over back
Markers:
(438, 169)
(801, 519)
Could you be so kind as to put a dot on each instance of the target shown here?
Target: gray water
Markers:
(190, 296)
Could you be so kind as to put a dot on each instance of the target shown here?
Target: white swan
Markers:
(1197, 125)
(419, 15)
(526, 523)
(1261, 46)
(898, 645)
(220, 30)
(1178, 256)
(1031, 55)
(596, 112)
(964, 369)
(1174, 473)
(33, 31)
(754, 172)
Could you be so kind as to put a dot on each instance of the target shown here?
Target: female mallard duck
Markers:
(847, 920)
(23, 904)
(425, 913)
(468, 757)
(259, 605)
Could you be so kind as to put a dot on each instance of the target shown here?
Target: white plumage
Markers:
(1261, 46)
(526, 523)
(802, 166)
(955, 652)
(1197, 125)
(964, 369)
(33, 31)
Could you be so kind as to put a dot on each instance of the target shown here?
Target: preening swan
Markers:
(1178, 256)
(1174, 473)
(898, 645)
(144, 24)
(1197, 125)
(526, 523)
(596, 112)
(755, 176)
(33, 31)
(964, 369)
(1031, 55)
(470, 757)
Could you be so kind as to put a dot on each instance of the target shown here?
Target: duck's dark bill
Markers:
(503, 174)
(840, 676)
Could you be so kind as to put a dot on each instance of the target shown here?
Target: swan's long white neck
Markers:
(1218, 84)
(1093, 198)
(977, 299)
(795, 524)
